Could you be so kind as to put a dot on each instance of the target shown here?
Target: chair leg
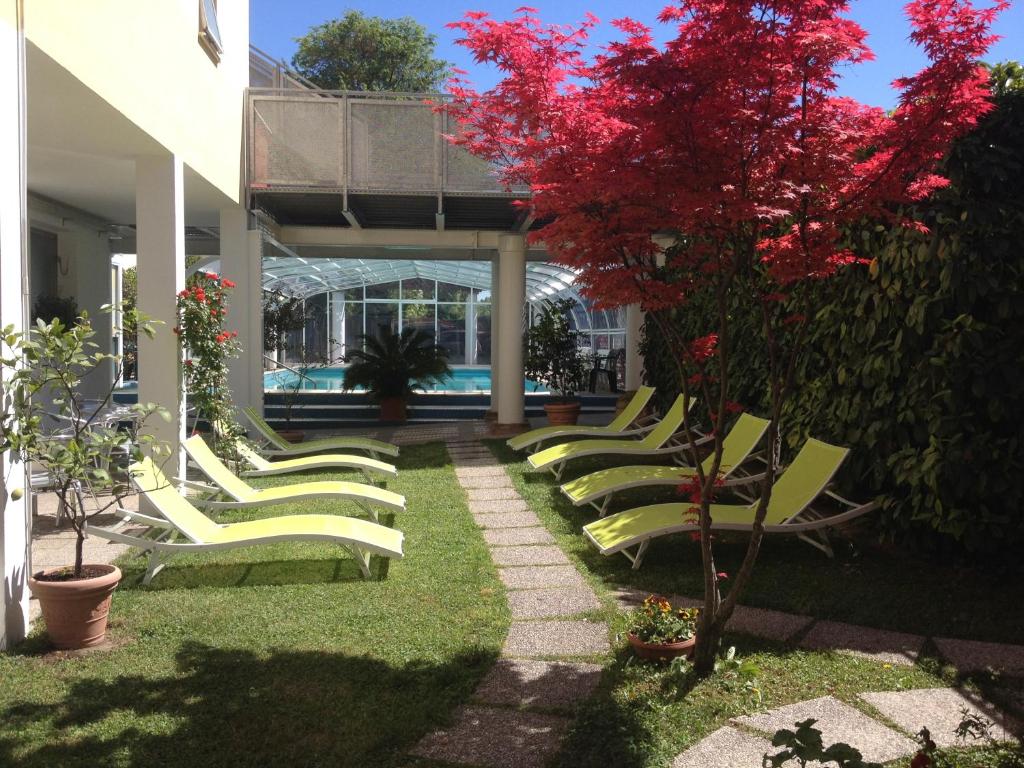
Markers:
(362, 559)
(156, 564)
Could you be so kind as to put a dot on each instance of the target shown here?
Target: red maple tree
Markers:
(721, 162)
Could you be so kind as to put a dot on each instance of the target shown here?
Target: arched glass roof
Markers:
(303, 277)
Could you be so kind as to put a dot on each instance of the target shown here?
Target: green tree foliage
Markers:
(918, 359)
(369, 53)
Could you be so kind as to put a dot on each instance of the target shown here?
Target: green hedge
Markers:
(918, 363)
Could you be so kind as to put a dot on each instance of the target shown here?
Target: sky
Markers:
(274, 25)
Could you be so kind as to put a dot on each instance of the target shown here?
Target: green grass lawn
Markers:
(645, 715)
(275, 655)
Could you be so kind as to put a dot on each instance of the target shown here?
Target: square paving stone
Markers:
(529, 555)
(766, 623)
(489, 471)
(725, 748)
(878, 644)
(537, 576)
(508, 537)
(543, 639)
(491, 494)
(551, 601)
(496, 738)
(507, 520)
(538, 684)
(838, 722)
(501, 505)
(487, 481)
(939, 710)
(976, 656)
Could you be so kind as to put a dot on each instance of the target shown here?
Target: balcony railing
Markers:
(307, 140)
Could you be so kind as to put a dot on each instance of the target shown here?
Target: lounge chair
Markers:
(263, 467)
(597, 488)
(278, 446)
(181, 520)
(240, 494)
(660, 441)
(626, 423)
(789, 510)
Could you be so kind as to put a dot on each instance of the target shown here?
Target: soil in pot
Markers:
(562, 413)
(662, 651)
(75, 610)
(392, 409)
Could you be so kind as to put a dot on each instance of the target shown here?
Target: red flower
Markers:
(228, 283)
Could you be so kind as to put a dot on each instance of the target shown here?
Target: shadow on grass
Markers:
(220, 706)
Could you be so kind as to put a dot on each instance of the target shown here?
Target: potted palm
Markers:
(43, 369)
(390, 366)
(660, 632)
(553, 358)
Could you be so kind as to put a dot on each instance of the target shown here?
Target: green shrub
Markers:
(918, 361)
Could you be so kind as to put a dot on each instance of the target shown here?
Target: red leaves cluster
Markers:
(731, 128)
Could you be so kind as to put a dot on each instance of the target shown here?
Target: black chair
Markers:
(608, 365)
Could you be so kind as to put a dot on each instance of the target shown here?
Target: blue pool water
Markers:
(327, 379)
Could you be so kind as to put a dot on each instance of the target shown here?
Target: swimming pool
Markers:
(330, 379)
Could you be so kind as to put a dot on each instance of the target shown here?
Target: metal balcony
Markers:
(359, 159)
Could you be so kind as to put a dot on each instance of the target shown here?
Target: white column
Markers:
(512, 287)
(495, 336)
(15, 524)
(241, 260)
(160, 242)
(86, 251)
(634, 360)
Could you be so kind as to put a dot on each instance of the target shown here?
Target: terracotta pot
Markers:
(392, 409)
(662, 651)
(292, 435)
(561, 414)
(76, 612)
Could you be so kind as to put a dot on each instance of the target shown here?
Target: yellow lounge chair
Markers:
(660, 441)
(627, 423)
(278, 446)
(605, 483)
(789, 510)
(263, 467)
(240, 494)
(181, 520)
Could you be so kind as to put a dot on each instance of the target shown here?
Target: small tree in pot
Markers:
(389, 367)
(42, 370)
(554, 359)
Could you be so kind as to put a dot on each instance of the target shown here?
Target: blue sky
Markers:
(276, 23)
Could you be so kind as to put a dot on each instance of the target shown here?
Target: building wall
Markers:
(14, 536)
(143, 57)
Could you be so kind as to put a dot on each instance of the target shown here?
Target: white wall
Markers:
(14, 523)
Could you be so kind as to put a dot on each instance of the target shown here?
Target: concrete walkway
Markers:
(522, 709)
(744, 743)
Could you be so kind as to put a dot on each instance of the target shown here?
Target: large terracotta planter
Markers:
(292, 435)
(662, 651)
(562, 414)
(392, 409)
(76, 611)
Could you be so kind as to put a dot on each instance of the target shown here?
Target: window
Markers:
(209, 31)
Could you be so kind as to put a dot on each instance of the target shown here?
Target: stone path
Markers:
(881, 645)
(523, 707)
(745, 742)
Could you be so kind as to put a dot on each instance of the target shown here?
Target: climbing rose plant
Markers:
(731, 146)
(207, 346)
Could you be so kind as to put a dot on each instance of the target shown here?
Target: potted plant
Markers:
(281, 316)
(390, 366)
(553, 358)
(207, 346)
(659, 632)
(42, 370)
